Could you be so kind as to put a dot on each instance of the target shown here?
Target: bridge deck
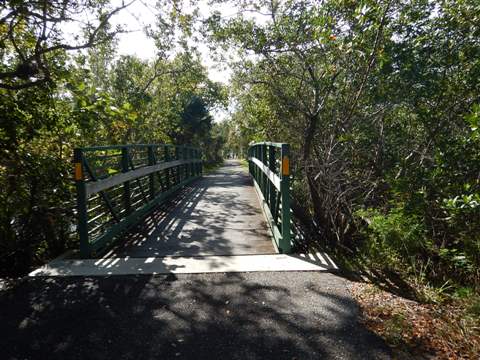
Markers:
(217, 215)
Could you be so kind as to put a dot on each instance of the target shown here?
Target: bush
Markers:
(394, 238)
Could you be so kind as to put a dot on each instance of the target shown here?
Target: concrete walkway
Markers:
(186, 265)
(218, 215)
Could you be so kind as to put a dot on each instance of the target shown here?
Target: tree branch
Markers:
(35, 63)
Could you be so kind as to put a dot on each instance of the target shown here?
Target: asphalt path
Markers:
(271, 315)
(243, 315)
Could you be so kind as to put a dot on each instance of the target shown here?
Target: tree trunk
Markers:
(318, 213)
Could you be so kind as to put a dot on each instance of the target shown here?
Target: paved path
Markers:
(288, 315)
(218, 215)
(241, 315)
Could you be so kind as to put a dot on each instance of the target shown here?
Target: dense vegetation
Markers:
(53, 99)
(380, 101)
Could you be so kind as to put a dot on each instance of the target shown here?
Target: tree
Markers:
(312, 64)
(375, 99)
(32, 37)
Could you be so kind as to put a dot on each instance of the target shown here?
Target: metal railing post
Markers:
(189, 165)
(249, 155)
(197, 164)
(285, 245)
(265, 179)
(82, 216)
(177, 168)
(151, 177)
(256, 151)
(184, 166)
(166, 158)
(192, 164)
(271, 187)
(126, 185)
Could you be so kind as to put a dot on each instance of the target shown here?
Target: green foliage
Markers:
(393, 238)
(379, 101)
(36, 212)
(89, 98)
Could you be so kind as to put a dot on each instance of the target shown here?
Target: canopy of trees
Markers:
(54, 99)
(380, 102)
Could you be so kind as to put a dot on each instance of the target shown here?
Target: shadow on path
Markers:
(217, 215)
(293, 315)
(262, 315)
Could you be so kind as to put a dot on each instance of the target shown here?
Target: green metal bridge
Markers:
(192, 264)
(152, 200)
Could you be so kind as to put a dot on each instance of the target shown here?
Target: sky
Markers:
(142, 13)
(134, 41)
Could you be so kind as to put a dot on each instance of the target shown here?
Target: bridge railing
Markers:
(117, 185)
(270, 169)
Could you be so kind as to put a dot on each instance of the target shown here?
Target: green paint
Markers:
(276, 205)
(151, 177)
(126, 204)
(81, 206)
(285, 244)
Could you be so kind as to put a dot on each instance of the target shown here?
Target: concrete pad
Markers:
(186, 265)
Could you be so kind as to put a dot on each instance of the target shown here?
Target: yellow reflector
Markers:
(78, 171)
(285, 166)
